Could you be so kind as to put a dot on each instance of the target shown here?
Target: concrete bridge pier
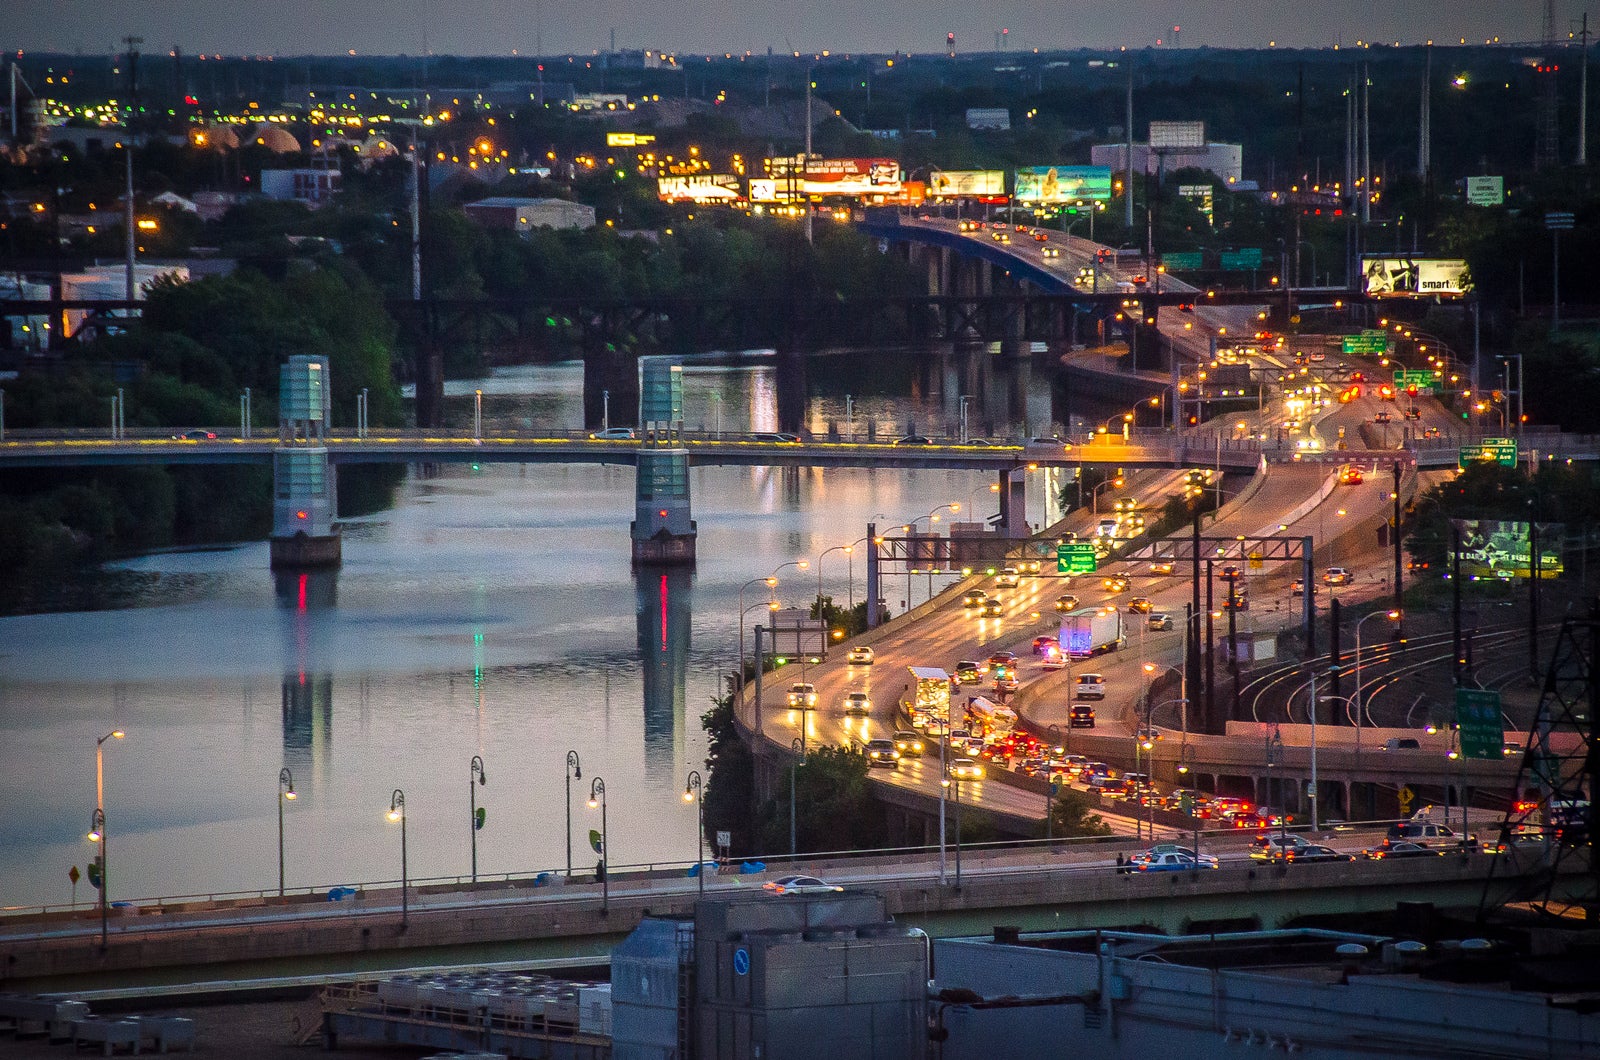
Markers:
(791, 389)
(610, 388)
(304, 493)
(663, 530)
(1014, 503)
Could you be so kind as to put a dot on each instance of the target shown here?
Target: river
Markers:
(490, 611)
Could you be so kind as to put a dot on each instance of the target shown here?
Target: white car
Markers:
(1008, 578)
(1090, 686)
(1336, 576)
(799, 885)
(966, 769)
(802, 695)
(612, 434)
(857, 705)
(860, 656)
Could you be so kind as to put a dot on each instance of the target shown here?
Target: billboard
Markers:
(1413, 277)
(629, 139)
(794, 178)
(701, 187)
(988, 118)
(952, 182)
(1486, 191)
(1057, 184)
(1202, 197)
(1493, 548)
(1177, 135)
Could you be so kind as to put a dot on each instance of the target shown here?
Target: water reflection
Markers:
(307, 691)
(663, 609)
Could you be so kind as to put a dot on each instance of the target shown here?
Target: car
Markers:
(1298, 587)
(1163, 566)
(1431, 432)
(1045, 643)
(1066, 602)
(974, 599)
(969, 226)
(991, 609)
(1314, 853)
(776, 436)
(909, 744)
(1125, 504)
(1089, 686)
(612, 434)
(914, 439)
(1265, 846)
(1158, 621)
(802, 694)
(860, 655)
(1383, 417)
(1140, 605)
(1008, 578)
(197, 435)
(1002, 660)
(1054, 659)
(1106, 528)
(1030, 566)
(857, 704)
(1041, 236)
(1230, 572)
(1146, 735)
(1116, 583)
(1169, 861)
(966, 769)
(1400, 850)
(1426, 833)
(1237, 599)
(1080, 716)
(799, 885)
(1049, 252)
(1336, 576)
(1002, 237)
(968, 672)
(1350, 476)
(1006, 682)
(1412, 412)
(882, 753)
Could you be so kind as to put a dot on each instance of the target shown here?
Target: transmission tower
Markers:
(1547, 143)
(1546, 833)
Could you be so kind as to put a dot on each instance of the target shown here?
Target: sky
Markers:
(501, 27)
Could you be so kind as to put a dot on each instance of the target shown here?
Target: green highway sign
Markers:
(1478, 723)
(1421, 378)
(1502, 451)
(1185, 262)
(1365, 343)
(1241, 260)
(1076, 557)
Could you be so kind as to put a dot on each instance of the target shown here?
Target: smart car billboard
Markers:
(1058, 184)
(953, 182)
(793, 178)
(1414, 277)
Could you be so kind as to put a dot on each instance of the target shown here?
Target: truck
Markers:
(1090, 631)
(989, 719)
(930, 696)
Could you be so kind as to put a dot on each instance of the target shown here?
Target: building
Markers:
(110, 282)
(524, 215)
(1223, 161)
(313, 187)
(1318, 993)
(775, 976)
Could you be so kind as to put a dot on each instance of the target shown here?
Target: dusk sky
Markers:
(475, 27)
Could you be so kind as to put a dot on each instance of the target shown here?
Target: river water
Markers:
(488, 612)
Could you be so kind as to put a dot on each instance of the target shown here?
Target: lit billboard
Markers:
(699, 188)
(1058, 184)
(952, 182)
(1414, 277)
(1492, 548)
(833, 176)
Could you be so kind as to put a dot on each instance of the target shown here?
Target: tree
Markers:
(1072, 814)
(730, 778)
(834, 806)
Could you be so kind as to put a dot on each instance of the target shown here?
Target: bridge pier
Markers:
(304, 493)
(791, 389)
(1014, 503)
(610, 388)
(663, 531)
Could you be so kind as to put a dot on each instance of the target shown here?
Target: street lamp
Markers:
(772, 583)
(476, 778)
(597, 797)
(1094, 493)
(1393, 616)
(1274, 756)
(1186, 761)
(573, 771)
(797, 749)
(397, 812)
(98, 832)
(693, 792)
(836, 548)
(285, 793)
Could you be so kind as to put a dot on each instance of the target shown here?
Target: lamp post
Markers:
(1094, 494)
(1186, 757)
(397, 812)
(597, 797)
(98, 832)
(797, 748)
(573, 771)
(771, 580)
(836, 548)
(1351, 703)
(476, 778)
(1054, 732)
(1393, 616)
(285, 793)
(693, 792)
(1274, 756)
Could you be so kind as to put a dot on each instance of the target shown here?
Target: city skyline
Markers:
(506, 27)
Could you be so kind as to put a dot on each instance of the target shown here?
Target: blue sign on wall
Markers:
(741, 961)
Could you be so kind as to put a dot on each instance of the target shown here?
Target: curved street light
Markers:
(771, 579)
(597, 797)
(99, 831)
(693, 791)
(846, 549)
(476, 778)
(286, 793)
(797, 751)
(574, 771)
(397, 812)
(97, 834)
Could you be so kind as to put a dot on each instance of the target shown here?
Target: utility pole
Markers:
(1127, 192)
(1399, 627)
(1583, 94)
(1366, 145)
(807, 163)
(127, 154)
